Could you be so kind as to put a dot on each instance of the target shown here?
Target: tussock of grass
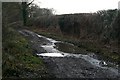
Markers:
(18, 59)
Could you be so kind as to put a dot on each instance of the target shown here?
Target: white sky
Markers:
(77, 6)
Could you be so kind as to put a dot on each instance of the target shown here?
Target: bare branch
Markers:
(30, 3)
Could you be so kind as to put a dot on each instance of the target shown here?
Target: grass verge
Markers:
(18, 60)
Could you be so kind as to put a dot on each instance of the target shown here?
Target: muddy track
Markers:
(65, 67)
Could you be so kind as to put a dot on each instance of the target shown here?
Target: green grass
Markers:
(18, 59)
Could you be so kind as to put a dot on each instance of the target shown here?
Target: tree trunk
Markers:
(24, 12)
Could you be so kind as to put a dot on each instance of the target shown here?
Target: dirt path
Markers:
(65, 67)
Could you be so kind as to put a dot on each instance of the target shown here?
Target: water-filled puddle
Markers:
(61, 49)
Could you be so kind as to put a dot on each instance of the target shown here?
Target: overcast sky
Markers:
(77, 6)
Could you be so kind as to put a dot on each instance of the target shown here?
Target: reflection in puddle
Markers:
(51, 54)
